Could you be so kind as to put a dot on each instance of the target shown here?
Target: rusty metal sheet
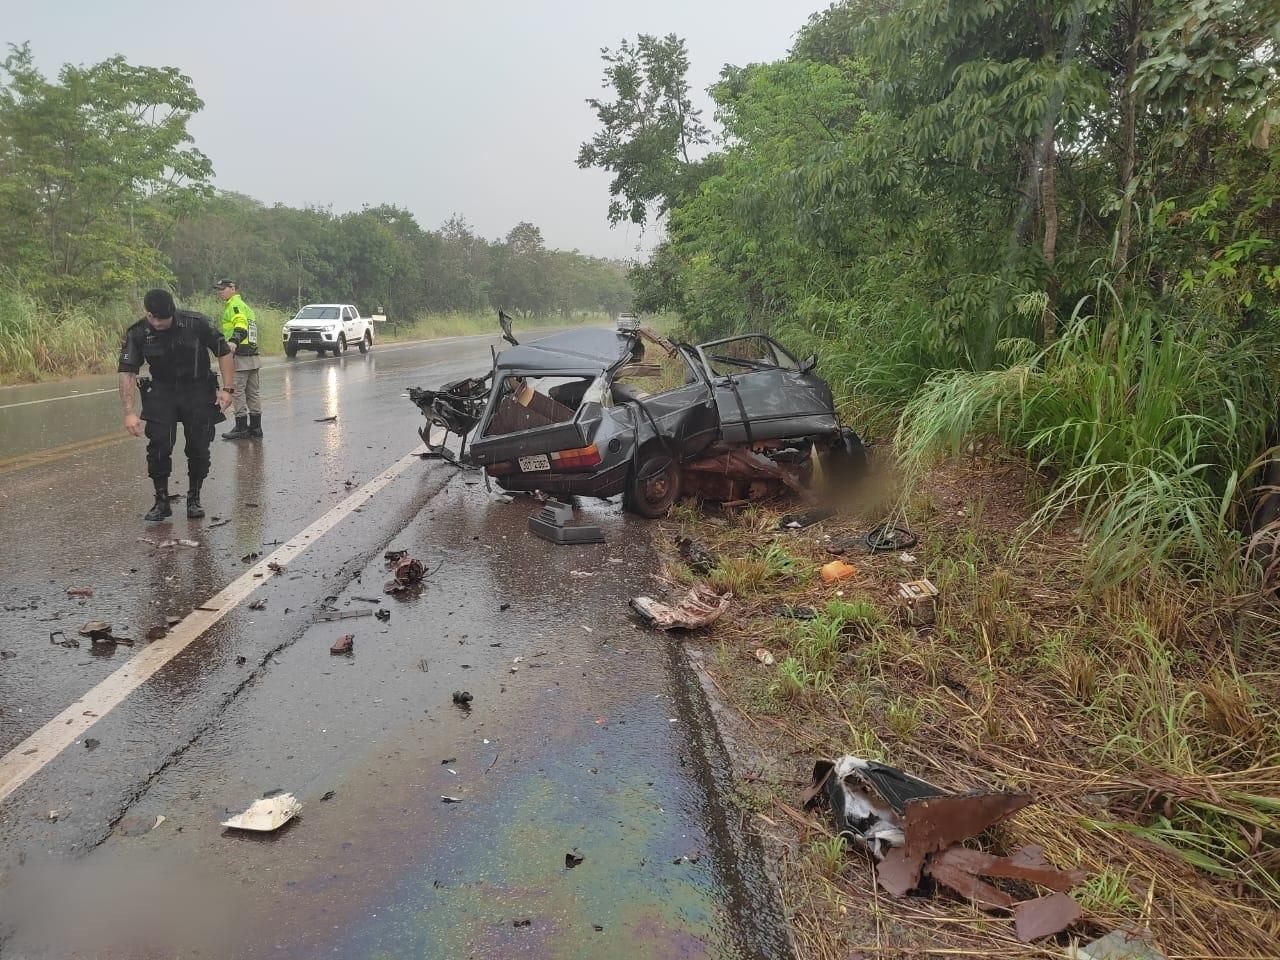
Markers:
(967, 885)
(935, 823)
(1044, 916)
(1026, 864)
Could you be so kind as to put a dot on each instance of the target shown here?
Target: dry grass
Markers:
(1144, 718)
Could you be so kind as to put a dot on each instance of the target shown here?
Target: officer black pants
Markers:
(190, 404)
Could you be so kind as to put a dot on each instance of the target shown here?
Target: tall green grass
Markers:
(1145, 424)
(39, 342)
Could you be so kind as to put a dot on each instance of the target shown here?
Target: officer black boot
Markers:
(194, 510)
(240, 431)
(160, 510)
(255, 426)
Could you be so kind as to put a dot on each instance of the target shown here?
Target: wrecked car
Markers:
(600, 412)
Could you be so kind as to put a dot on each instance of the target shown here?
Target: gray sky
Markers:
(476, 108)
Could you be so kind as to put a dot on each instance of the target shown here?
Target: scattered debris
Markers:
(65, 641)
(99, 631)
(885, 537)
(91, 744)
(383, 615)
(156, 633)
(445, 798)
(241, 661)
(1122, 944)
(700, 560)
(172, 621)
(699, 607)
(373, 600)
(328, 795)
(551, 524)
(7, 655)
(139, 824)
(463, 699)
(79, 591)
(837, 570)
(250, 557)
(344, 644)
(798, 521)
(407, 573)
(391, 556)
(268, 814)
(914, 828)
(328, 614)
(764, 656)
(276, 568)
(572, 859)
(332, 419)
(259, 604)
(218, 522)
(688, 858)
(522, 922)
(907, 558)
(919, 602)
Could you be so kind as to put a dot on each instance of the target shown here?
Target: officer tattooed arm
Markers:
(130, 364)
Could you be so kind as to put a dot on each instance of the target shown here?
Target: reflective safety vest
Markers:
(239, 326)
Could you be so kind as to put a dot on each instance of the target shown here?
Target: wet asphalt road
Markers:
(586, 733)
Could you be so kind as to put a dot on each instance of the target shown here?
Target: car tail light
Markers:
(583, 458)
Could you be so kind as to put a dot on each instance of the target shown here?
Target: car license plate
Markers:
(536, 464)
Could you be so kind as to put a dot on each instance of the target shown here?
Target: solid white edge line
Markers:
(31, 755)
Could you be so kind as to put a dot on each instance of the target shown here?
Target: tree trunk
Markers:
(1128, 139)
(1049, 203)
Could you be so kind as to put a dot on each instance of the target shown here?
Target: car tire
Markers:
(290, 352)
(653, 485)
(365, 342)
(341, 348)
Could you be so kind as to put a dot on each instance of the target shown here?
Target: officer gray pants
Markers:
(247, 397)
(165, 406)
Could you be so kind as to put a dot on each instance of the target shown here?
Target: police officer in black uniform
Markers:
(175, 344)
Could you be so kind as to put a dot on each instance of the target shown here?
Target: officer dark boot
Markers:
(160, 510)
(240, 431)
(255, 426)
(194, 510)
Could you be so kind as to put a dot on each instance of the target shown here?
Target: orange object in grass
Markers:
(837, 570)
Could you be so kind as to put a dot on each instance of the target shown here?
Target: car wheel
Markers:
(365, 343)
(341, 348)
(653, 486)
(290, 352)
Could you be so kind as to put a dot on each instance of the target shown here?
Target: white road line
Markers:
(393, 349)
(69, 396)
(30, 756)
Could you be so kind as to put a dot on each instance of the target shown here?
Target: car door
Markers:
(762, 393)
(348, 327)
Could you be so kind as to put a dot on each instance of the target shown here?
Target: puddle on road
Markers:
(582, 755)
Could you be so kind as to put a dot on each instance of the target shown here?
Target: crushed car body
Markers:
(599, 412)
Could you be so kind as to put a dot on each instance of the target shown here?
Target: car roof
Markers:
(585, 349)
(325, 305)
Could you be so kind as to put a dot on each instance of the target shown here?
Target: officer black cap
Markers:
(223, 284)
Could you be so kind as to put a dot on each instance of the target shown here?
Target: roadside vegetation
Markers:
(1145, 716)
(1036, 248)
(103, 194)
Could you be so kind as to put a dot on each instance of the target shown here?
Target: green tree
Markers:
(94, 168)
(648, 129)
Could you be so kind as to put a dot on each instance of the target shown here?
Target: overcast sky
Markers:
(469, 107)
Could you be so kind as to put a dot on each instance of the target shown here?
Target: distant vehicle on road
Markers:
(327, 326)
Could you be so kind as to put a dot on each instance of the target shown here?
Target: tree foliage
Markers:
(648, 129)
(93, 167)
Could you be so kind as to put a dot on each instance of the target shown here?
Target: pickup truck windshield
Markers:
(317, 313)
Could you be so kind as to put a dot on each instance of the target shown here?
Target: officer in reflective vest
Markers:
(240, 329)
(175, 345)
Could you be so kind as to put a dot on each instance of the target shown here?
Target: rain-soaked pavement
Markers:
(586, 734)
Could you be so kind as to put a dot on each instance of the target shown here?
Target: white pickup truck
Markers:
(327, 326)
